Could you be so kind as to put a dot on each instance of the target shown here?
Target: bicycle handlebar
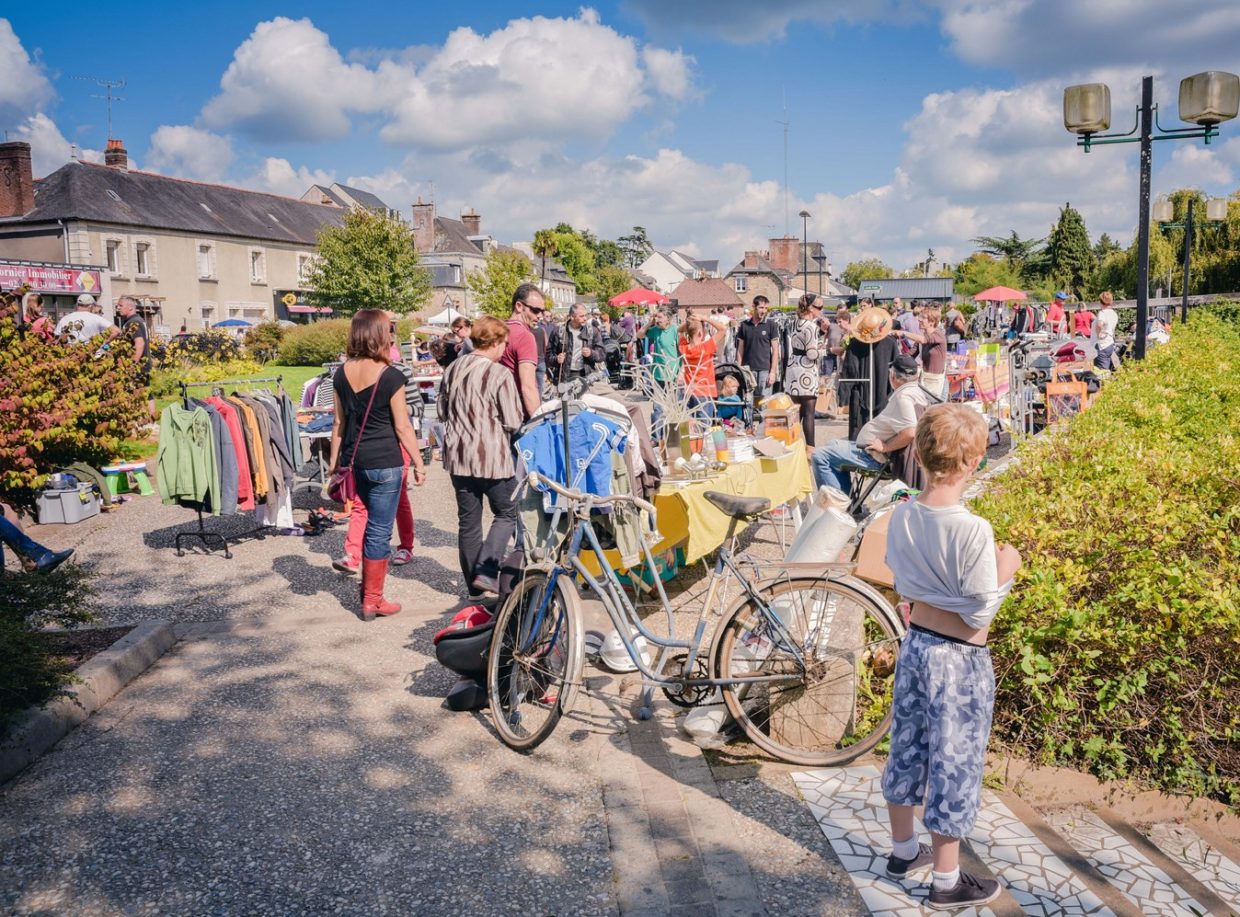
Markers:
(537, 480)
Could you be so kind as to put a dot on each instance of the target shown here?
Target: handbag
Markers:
(342, 485)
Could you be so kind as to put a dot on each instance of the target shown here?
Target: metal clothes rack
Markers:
(202, 534)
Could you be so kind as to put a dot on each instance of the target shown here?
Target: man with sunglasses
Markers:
(521, 352)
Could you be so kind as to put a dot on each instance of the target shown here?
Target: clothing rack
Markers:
(202, 534)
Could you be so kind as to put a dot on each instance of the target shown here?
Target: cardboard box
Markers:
(871, 565)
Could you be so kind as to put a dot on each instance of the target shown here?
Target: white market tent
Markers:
(446, 317)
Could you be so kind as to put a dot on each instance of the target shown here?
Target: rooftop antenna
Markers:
(785, 123)
(108, 86)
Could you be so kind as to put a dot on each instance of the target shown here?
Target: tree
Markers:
(577, 257)
(1020, 254)
(612, 281)
(1070, 255)
(1104, 247)
(493, 286)
(867, 269)
(545, 246)
(980, 271)
(368, 263)
(636, 247)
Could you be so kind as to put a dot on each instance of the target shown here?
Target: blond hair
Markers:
(933, 315)
(1106, 298)
(950, 438)
(694, 327)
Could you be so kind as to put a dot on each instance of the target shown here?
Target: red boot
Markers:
(374, 572)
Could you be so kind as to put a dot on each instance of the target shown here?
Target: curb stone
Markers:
(100, 679)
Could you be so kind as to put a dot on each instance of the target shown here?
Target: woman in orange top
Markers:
(698, 352)
(1082, 320)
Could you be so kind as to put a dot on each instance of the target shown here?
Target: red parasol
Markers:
(999, 294)
(639, 296)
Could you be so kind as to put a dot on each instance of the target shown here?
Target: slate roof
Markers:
(710, 267)
(363, 198)
(763, 266)
(102, 194)
(710, 291)
(452, 236)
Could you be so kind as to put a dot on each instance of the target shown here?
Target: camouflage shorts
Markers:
(944, 696)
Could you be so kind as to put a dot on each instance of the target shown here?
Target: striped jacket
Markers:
(480, 409)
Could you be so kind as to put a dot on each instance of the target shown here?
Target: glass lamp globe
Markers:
(1087, 108)
(1216, 208)
(1163, 210)
(1209, 98)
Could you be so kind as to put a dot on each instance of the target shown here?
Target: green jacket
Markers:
(185, 463)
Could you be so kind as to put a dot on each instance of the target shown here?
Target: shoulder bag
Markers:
(342, 485)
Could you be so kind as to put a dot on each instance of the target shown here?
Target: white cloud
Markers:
(25, 89)
(744, 21)
(190, 152)
(540, 79)
(279, 177)
(49, 150)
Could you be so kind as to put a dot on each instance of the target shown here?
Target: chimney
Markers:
(424, 226)
(472, 221)
(16, 180)
(116, 155)
(751, 260)
(786, 254)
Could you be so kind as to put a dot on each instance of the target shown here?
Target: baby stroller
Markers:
(735, 412)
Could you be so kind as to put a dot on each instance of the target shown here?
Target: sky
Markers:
(911, 124)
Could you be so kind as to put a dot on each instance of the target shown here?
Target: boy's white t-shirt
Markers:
(945, 556)
(1104, 327)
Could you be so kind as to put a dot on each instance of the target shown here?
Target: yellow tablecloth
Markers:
(687, 520)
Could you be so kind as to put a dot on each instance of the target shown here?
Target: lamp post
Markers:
(1164, 213)
(804, 215)
(821, 258)
(1206, 99)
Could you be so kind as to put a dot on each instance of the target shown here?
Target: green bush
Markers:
(167, 382)
(1117, 650)
(197, 349)
(314, 344)
(262, 341)
(28, 602)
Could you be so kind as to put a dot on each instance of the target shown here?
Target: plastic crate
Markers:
(68, 506)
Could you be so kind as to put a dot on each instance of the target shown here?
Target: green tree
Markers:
(867, 269)
(546, 245)
(1069, 252)
(493, 286)
(368, 263)
(1021, 254)
(578, 258)
(636, 247)
(1104, 247)
(612, 281)
(980, 271)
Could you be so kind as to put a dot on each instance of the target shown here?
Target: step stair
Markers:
(1065, 860)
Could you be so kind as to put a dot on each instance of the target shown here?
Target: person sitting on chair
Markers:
(890, 431)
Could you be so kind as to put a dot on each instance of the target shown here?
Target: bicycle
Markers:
(804, 659)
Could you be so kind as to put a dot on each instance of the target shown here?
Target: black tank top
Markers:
(379, 447)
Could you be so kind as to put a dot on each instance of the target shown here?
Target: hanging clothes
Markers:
(186, 467)
(292, 438)
(253, 440)
(245, 480)
(280, 452)
(224, 500)
(273, 480)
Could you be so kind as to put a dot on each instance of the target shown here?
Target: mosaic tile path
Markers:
(849, 807)
(1124, 866)
(1209, 867)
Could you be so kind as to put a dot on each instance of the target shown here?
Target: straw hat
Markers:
(872, 325)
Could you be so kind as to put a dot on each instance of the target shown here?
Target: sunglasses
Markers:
(537, 310)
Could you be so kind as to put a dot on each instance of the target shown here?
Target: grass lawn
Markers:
(294, 378)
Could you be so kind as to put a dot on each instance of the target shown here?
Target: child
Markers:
(946, 564)
(729, 405)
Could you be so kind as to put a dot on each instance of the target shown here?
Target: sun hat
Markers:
(86, 300)
(872, 325)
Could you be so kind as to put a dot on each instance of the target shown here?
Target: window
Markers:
(206, 261)
(142, 259)
(741, 281)
(113, 247)
(304, 264)
(258, 266)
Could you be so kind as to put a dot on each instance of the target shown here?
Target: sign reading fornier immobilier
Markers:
(48, 278)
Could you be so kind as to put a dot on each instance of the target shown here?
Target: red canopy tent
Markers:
(638, 296)
(999, 294)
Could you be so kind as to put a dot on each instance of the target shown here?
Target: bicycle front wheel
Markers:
(823, 675)
(535, 651)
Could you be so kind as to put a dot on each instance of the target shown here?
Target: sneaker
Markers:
(51, 560)
(970, 891)
(401, 556)
(898, 868)
(346, 564)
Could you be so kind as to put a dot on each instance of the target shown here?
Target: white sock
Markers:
(946, 881)
(905, 850)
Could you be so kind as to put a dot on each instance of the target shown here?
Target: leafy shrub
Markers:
(262, 341)
(197, 349)
(314, 344)
(166, 382)
(59, 405)
(1118, 648)
(28, 602)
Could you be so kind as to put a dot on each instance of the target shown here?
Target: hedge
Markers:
(324, 341)
(1117, 650)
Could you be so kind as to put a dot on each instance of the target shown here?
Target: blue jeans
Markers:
(825, 463)
(379, 491)
(705, 407)
(19, 541)
(762, 385)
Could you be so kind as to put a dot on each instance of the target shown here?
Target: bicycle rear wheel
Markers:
(535, 651)
(831, 670)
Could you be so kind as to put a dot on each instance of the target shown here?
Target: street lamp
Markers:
(1206, 99)
(1164, 213)
(804, 215)
(821, 258)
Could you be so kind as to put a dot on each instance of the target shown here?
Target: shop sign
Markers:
(49, 278)
(870, 287)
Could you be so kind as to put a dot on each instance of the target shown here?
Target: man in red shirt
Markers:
(521, 353)
(1055, 316)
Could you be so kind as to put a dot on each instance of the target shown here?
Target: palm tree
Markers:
(545, 245)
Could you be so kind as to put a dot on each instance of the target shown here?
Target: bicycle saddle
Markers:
(739, 506)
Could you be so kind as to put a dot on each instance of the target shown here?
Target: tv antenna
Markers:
(785, 123)
(109, 87)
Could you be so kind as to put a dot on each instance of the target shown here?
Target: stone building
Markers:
(703, 296)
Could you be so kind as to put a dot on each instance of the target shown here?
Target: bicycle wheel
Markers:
(534, 660)
(831, 670)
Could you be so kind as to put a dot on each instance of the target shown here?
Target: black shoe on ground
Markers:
(51, 560)
(483, 583)
(898, 868)
(970, 891)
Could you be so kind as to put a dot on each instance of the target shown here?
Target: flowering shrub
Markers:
(1117, 650)
(59, 404)
(197, 349)
(262, 341)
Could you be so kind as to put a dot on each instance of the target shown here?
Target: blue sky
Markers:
(914, 123)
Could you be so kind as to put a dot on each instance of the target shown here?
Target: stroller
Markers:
(732, 411)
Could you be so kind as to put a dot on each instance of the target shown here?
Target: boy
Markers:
(946, 564)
